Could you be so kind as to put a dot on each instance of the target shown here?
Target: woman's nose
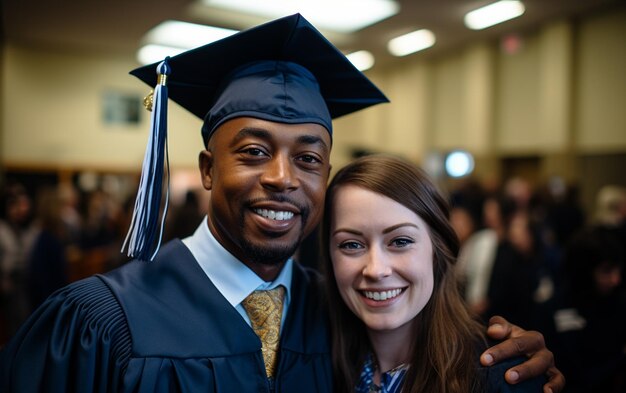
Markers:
(377, 265)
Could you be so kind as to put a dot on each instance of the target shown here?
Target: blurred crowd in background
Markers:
(59, 234)
(536, 257)
(532, 255)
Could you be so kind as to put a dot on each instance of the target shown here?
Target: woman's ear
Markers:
(205, 162)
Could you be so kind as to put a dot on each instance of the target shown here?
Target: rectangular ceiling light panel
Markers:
(411, 42)
(343, 16)
(493, 14)
(173, 37)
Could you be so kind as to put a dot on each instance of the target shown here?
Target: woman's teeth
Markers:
(383, 295)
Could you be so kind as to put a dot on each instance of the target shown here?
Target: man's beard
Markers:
(268, 254)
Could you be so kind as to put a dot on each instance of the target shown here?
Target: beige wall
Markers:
(601, 75)
(53, 113)
(534, 93)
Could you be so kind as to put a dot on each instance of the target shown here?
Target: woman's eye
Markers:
(401, 242)
(350, 246)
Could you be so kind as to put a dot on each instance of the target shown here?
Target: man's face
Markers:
(267, 182)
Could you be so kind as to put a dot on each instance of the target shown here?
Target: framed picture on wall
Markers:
(121, 108)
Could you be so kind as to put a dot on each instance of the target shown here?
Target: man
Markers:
(182, 322)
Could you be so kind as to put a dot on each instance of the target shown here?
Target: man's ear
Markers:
(205, 162)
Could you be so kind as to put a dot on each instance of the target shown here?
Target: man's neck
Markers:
(267, 272)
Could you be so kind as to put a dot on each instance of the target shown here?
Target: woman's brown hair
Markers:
(444, 354)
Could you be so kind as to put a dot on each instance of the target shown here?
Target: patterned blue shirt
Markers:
(489, 379)
(390, 381)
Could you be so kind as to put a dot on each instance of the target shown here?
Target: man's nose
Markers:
(280, 174)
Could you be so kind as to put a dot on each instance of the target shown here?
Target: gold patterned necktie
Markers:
(265, 309)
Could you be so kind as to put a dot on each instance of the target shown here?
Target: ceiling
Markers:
(117, 26)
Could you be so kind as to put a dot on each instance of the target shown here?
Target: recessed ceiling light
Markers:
(337, 15)
(362, 60)
(152, 53)
(173, 37)
(493, 14)
(459, 163)
(185, 35)
(411, 42)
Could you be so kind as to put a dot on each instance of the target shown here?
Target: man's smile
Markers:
(274, 215)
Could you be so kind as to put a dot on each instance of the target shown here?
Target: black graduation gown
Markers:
(163, 327)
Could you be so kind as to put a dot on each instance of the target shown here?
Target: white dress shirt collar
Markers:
(231, 277)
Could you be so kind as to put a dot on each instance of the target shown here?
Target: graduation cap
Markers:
(283, 71)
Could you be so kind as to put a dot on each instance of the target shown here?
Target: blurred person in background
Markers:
(564, 214)
(185, 218)
(47, 262)
(517, 271)
(520, 191)
(585, 323)
(17, 235)
(610, 209)
(478, 253)
(69, 199)
(466, 206)
(100, 235)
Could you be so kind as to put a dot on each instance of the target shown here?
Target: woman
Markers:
(403, 326)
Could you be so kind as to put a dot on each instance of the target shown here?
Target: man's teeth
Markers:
(274, 215)
(384, 295)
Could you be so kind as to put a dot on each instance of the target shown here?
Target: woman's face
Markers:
(382, 257)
